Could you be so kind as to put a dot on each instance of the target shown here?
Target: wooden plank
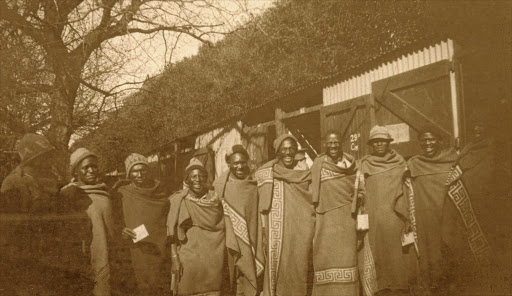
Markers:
(408, 113)
(301, 111)
(280, 126)
(370, 106)
(349, 121)
(343, 106)
(260, 125)
(323, 127)
(422, 74)
(460, 91)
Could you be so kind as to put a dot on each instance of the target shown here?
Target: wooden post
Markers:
(323, 129)
(457, 84)
(370, 106)
(280, 126)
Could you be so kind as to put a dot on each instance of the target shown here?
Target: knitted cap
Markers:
(77, 157)
(281, 138)
(236, 149)
(132, 160)
(32, 146)
(379, 132)
(194, 164)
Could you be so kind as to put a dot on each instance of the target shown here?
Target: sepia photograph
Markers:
(256, 147)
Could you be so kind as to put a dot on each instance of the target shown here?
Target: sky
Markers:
(152, 54)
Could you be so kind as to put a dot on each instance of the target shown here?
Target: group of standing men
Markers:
(378, 226)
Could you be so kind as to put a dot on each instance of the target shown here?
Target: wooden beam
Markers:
(408, 113)
(266, 124)
(343, 106)
(348, 121)
(280, 126)
(457, 67)
(323, 128)
(370, 106)
(301, 111)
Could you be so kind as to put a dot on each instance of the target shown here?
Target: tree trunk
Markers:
(61, 126)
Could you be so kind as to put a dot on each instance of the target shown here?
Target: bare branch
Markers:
(106, 16)
(185, 30)
(126, 83)
(105, 31)
(95, 88)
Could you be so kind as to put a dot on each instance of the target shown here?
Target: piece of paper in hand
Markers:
(407, 239)
(362, 222)
(141, 233)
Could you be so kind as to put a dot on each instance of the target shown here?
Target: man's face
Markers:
(429, 143)
(139, 175)
(478, 131)
(238, 165)
(380, 146)
(87, 171)
(333, 146)
(196, 182)
(286, 153)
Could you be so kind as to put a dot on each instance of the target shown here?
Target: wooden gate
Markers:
(410, 101)
(352, 119)
(404, 103)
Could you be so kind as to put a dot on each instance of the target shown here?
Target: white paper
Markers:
(408, 239)
(362, 222)
(141, 233)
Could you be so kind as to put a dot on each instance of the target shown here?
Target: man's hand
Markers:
(128, 234)
(176, 267)
(407, 228)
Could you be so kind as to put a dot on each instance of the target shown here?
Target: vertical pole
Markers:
(455, 113)
(454, 100)
(459, 85)
(280, 126)
(370, 107)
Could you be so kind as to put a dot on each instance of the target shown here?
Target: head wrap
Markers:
(194, 164)
(237, 149)
(379, 132)
(32, 146)
(281, 138)
(132, 160)
(77, 157)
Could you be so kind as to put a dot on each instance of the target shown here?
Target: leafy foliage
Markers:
(291, 44)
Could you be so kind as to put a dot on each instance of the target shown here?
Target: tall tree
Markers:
(64, 35)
